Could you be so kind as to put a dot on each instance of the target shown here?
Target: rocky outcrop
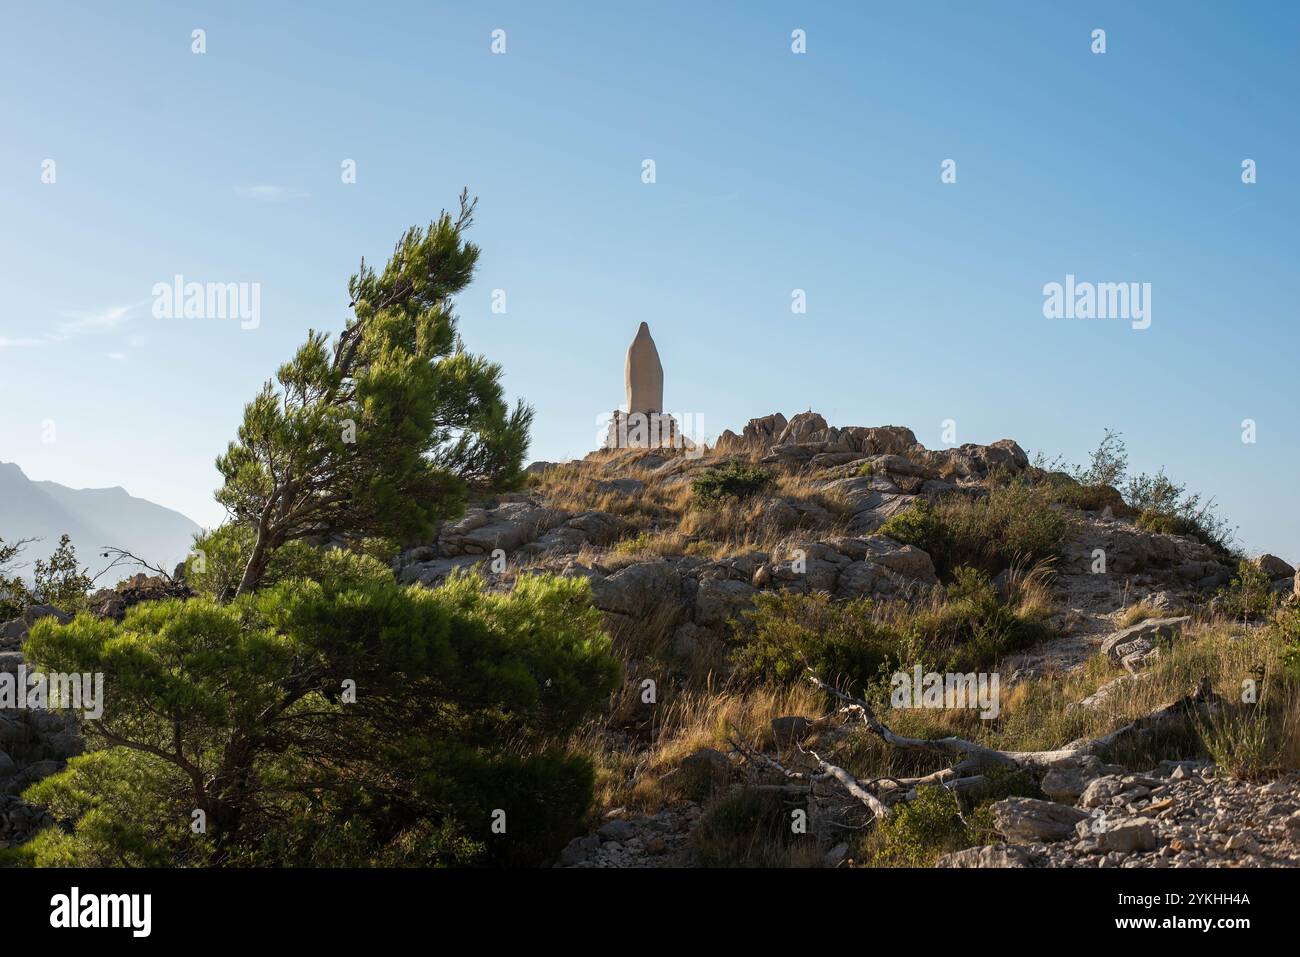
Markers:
(520, 527)
(1136, 645)
(114, 602)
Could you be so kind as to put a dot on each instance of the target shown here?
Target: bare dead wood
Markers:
(122, 557)
(977, 756)
(826, 771)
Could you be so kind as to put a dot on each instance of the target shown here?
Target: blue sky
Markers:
(775, 171)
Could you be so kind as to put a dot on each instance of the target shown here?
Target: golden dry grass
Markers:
(1039, 714)
(630, 774)
(1135, 613)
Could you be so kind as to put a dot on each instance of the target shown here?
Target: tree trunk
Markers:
(257, 563)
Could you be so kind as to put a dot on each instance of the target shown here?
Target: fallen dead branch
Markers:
(966, 774)
(826, 771)
(977, 756)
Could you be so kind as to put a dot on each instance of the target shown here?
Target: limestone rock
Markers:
(787, 730)
(991, 855)
(1023, 820)
(1130, 836)
(1141, 638)
(1273, 567)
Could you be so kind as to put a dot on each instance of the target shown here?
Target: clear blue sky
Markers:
(775, 171)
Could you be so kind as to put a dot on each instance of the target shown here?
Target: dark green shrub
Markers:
(939, 821)
(1089, 498)
(792, 631)
(347, 720)
(59, 580)
(1250, 594)
(733, 480)
(860, 642)
(972, 629)
(1014, 523)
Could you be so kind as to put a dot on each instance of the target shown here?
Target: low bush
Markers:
(732, 480)
(1015, 523)
(939, 821)
(747, 828)
(858, 643)
(1249, 595)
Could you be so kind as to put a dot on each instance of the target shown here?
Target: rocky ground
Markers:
(1177, 815)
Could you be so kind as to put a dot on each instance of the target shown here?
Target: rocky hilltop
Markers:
(680, 548)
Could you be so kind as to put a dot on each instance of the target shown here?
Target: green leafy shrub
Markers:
(1089, 498)
(1250, 594)
(732, 480)
(345, 720)
(1165, 507)
(59, 580)
(13, 590)
(792, 631)
(939, 821)
(1014, 523)
(971, 629)
(858, 643)
(217, 561)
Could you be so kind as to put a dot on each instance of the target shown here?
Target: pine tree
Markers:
(386, 432)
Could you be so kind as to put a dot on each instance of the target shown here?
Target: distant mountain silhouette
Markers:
(92, 518)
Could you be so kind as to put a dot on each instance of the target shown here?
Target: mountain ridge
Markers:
(92, 518)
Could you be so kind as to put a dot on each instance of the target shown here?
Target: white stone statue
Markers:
(643, 374)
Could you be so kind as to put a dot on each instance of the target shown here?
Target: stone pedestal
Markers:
(642, 430)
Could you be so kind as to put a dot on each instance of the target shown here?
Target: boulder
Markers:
(703, 773)
(759, 433)
(629, 487)
(1064, 784)
(787, 730)
(1273, 567)
(1100, 791)
(641, 590)
(990, 855)
(1025, 820)
(1141, 638)
(34, 613)
(801, 427)
(721, 600)
(1129, 836)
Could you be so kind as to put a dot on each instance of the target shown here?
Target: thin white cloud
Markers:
(101, 321)
(74, 324)
(269, 194)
